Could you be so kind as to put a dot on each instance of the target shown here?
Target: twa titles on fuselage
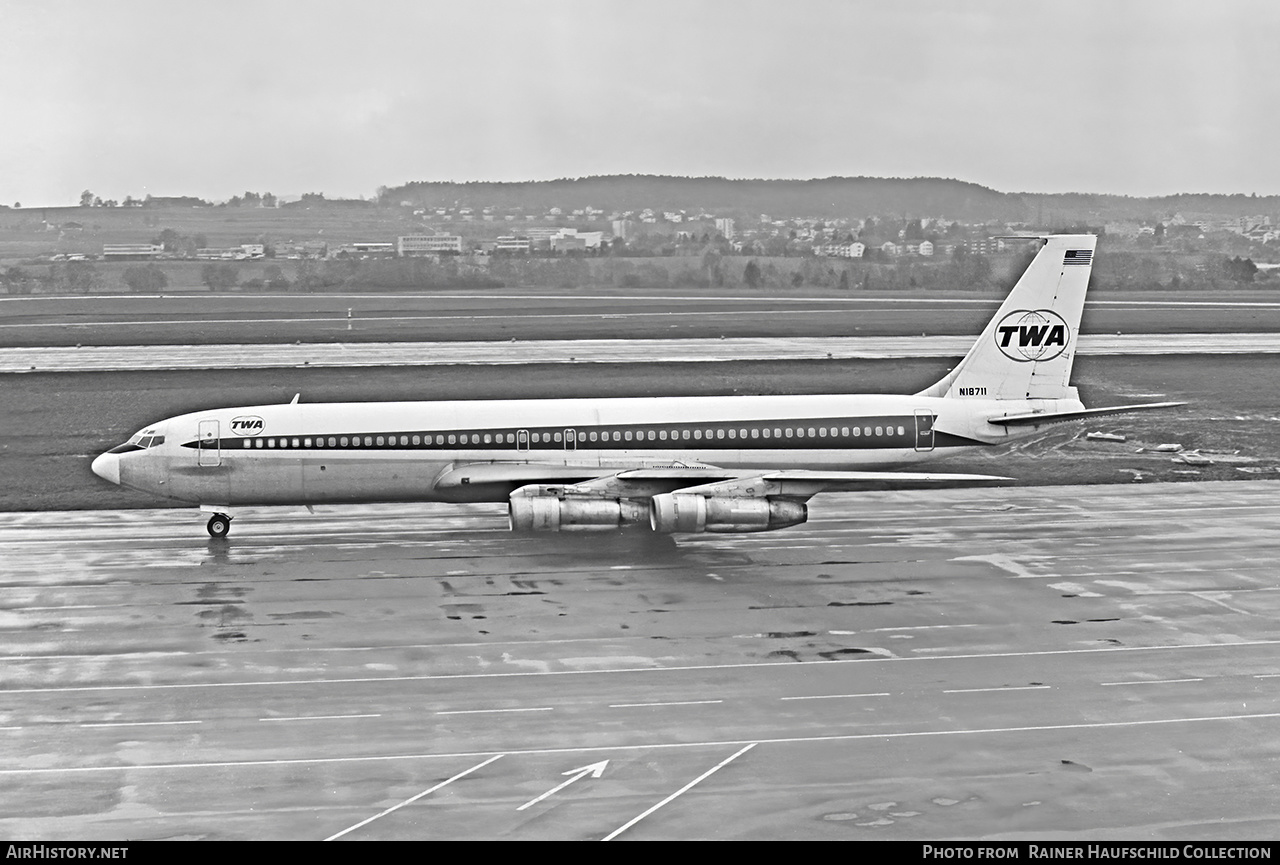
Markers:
(676, 464)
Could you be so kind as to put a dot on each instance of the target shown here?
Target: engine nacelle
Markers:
(552, 514)
(685, 512)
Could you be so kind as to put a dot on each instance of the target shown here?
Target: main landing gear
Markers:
(219, 525)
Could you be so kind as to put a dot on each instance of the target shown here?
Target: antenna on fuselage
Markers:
(295, 399)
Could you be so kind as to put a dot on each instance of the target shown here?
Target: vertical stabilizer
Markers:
(1026, 351)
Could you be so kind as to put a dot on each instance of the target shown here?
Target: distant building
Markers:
(511, 243)
(427, 244)
(841, 250)
(131, 251)
(243, 252)
(725, 227)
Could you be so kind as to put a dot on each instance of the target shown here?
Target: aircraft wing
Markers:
(713, 481)
(1052, 417)
(559, 473)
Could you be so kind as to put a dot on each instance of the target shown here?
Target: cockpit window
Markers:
(144, 439)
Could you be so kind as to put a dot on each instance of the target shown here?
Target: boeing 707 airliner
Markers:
(675, 464)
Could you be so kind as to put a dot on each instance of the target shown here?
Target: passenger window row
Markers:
(698, 434)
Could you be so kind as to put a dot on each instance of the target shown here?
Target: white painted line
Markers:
(674, 703)
(980, 690)
(835, 696)
(374, 680)
(1267, 676)
(413, 799)
(920, 628)
(653, 746)
(1151, 682)
(10, 728)
(491, 711)
(725, 762)
(319, 717)
(140, 723)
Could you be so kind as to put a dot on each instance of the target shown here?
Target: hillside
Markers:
(829, 197)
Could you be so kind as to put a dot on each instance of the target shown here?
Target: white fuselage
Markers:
(425, 451)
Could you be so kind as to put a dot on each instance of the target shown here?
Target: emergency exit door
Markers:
(924, 429)
(209, 451)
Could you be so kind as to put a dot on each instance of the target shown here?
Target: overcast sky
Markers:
(133, 97)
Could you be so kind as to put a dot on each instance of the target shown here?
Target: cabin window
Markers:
(697, 434)
(306, 443)
(380, 440)
(755, 433)
(685, 435)
(591, 435)
(866, 431)
(822, 431)
(332, 441)
(857, 431)
(766, 432)
(777, 433)
(488, 439)
(811, 432)
(271, 443)
(788, 432)
(559, 437)
(733, 433)
(902, 431)
(879, 431)
(417, 440)
(257, 443)
(719, 433)
(452, 438)
(844, 431)
(626, 435)
(651, 435)
(662, 434)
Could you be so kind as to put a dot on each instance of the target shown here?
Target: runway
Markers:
(1014, 663)
(254, 356)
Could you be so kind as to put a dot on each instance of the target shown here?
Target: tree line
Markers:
(712, 269)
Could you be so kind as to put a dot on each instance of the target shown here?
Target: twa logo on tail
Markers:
(1032, 334)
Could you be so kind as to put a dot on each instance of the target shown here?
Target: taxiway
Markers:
(1052, 662)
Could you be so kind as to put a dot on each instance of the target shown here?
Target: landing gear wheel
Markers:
(219, 525)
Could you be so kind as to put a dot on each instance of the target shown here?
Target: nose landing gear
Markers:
(219, 525)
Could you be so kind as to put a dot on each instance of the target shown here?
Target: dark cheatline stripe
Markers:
(837, 433)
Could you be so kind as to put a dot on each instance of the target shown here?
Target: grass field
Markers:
(54, 424)
(500, 314)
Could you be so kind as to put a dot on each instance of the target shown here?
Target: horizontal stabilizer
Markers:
(1051, 417)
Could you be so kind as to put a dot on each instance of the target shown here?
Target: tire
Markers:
(219, 525)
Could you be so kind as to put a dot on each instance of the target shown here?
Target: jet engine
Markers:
(546, 513)
(686, 512)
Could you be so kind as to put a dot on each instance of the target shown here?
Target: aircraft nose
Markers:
(107, 467)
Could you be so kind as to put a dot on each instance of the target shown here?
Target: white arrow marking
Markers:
(595, 770)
